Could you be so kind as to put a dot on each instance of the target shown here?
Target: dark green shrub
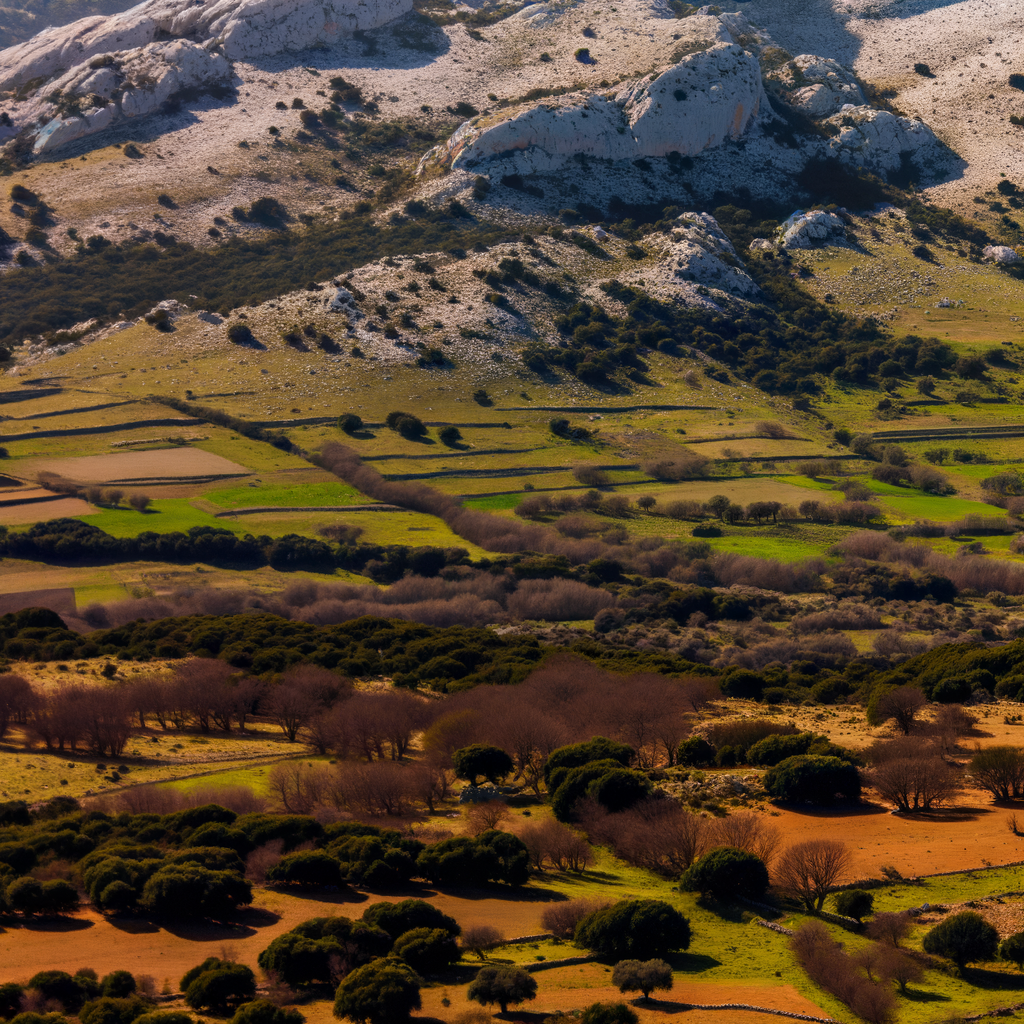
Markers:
(263, 1011)
(963, 938)
(480, 759)
(634, 930)
(608, 1013)
(695, 752)
(577, 754)
(398, 918)
(855, 903)
(349, 423)
(385, 991)
(310, 867)
(216, 985)
(187, 890)
(118, 984)
(427, 950)
(727, 873)
(808, 778)
(502, 985)
(10, 999)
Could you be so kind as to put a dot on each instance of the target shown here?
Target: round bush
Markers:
(809, 778)
(727, 872)
(427, 950)
(634, 930)
(383, 992)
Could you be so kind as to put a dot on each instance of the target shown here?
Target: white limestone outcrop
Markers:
(706, 99)
(818, 86)
(816, 227)
(244, 29)
(1000, 254)
(698, 266)
(107, 69)
(879, 140)
(95, 96)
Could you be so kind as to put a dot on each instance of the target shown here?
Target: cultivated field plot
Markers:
(144, 467)
(37, 511)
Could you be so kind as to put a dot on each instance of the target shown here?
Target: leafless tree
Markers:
(916, 783)
(810, 870)
(300, 786)
(660, 835)
(16, 700)
(747, 830)
(901, 706)
(479, 938)
(430, 782)
(551, 841)
(561, 918)
(890, 927)
(484, 816)
(373, 790)
(1000, 770)
(899, 966)
(301, 692)
(106, 720)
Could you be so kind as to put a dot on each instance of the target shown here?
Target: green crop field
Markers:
(258, 494)
(494, 502)
(165, 515)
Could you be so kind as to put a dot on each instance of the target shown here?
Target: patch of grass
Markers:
(494, 502)
(165, 515)
(269, 494)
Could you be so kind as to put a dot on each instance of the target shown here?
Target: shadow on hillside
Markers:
(1002, 981)
(318, 894)
(917, 995)
(57, 925)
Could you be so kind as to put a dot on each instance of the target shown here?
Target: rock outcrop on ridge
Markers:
(817, 86)
(701, 102)
(698, 266)
(81, 78)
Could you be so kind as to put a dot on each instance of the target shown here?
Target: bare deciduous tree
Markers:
(890, 927)
(916, 783)
(747, 830)
(810, 870)
(901, 706)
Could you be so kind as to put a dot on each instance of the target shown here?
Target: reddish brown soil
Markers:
(966, 836)
(90, 940)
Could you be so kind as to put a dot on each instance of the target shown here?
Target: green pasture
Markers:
(278, 495)
(911, 504)
(494, 502)
(164, 515)
(768, 545)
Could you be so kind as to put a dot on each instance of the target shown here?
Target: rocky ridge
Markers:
(82, 78)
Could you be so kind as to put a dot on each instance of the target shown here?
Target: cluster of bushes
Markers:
(113, 998)
(597, 770)
(67, 541)
(411, 930)
(753, 741)
(242, 271)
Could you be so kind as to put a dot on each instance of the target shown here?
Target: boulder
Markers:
(706, 99)
(816, 227)
(879, 140)
(698, 266)
(818, 86)
(1000, 254)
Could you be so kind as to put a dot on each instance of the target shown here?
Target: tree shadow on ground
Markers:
(57, 925)
(917, 995)
(318, 894)
(981, 977)
(531, 894)
(692, 963)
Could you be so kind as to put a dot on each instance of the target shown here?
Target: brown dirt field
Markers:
(60, 600)
(42, 510)
(571, 988)
(90, 940)
(159, 463)
(946, 840)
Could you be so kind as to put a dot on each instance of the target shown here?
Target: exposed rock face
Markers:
(126, 85)
(819, 86)
(1000, 254)
(110, 68)
(704, 100)
(816, 227)
(698, 262)
(879, 140)
(243, 28)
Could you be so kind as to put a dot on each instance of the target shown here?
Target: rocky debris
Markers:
(131, 64)
(706, 99)
(817, 86)
(879, 140)
(761, 245)
(807, 230)
(698, 267)
(1000, 254)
